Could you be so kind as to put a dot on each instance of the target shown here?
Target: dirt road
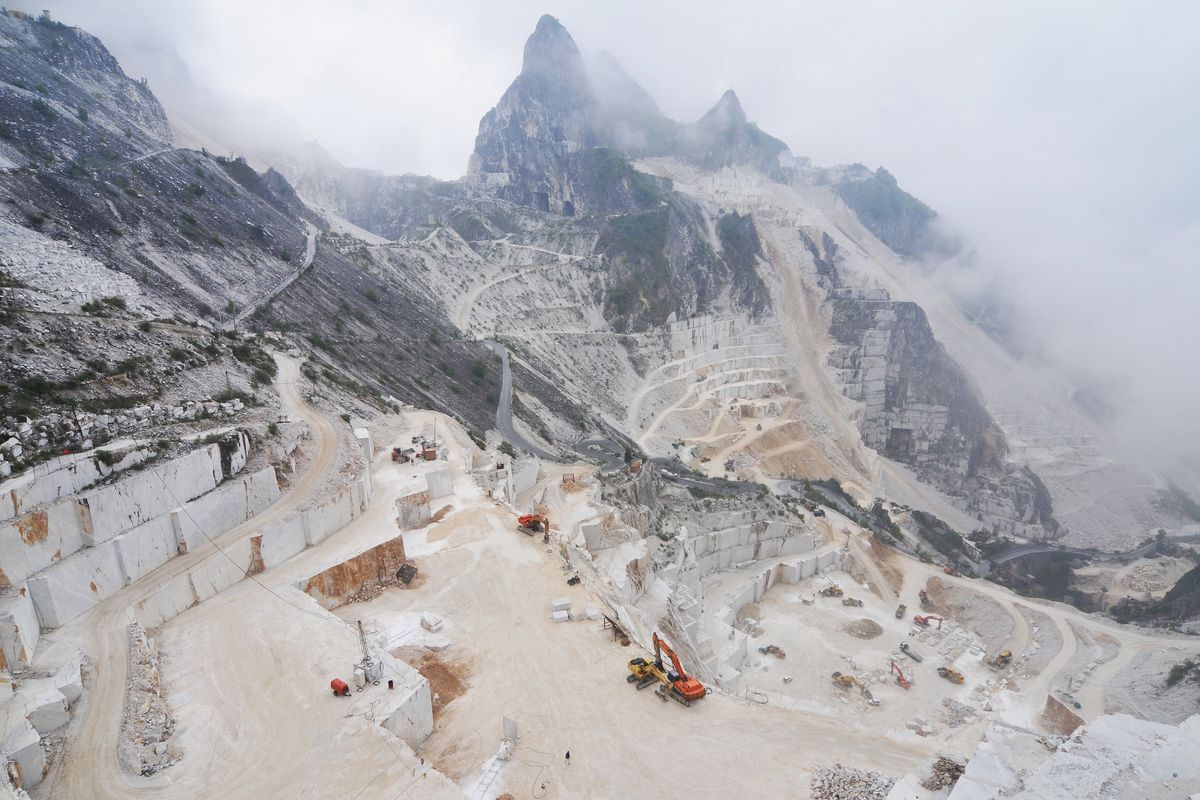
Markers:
(88, 766)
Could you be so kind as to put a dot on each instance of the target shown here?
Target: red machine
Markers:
(339, 687)
(900, 678)
(683, 687)
(951, 571)
(924, 621)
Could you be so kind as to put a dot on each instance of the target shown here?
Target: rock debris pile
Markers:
(1144, 578)
(147, 726)
(864, 629)
(958, 713)
(845, 783)
(944, 772)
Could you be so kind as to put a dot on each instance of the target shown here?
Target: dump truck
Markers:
(952, 675)
(900, 611)
(926, 605)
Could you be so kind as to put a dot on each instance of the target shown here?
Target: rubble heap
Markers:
(148, 724)
(958, 713)
(845, 783)
(944, 772)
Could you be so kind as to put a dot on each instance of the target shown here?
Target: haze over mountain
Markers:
(274, 425)
(1058, 144)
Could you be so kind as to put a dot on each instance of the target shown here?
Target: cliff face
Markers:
(64, 98)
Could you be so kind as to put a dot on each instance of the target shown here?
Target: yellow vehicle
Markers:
(832, 591)
(952, 675)
(844, 681)
(852, 601)
(1002, 659)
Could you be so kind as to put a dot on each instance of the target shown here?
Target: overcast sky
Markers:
(1062, 138)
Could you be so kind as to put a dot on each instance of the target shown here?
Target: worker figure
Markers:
(568, 758)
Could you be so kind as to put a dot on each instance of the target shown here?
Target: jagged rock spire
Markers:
(726, 113)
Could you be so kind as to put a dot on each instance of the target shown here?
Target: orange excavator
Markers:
(924, 621)
(676, 683)
(533, 523)
(901, 679)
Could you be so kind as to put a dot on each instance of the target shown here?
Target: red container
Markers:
(339, 686)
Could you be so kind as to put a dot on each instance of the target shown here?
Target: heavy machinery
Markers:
(773, 650)
(952, 675)
(901, 680)
(852, 601)
(844, 681)
(913, 654)
(924, 621)
(676, 684)
(535, 523)
(644, 672)
(926, 605)
(952, 572)
(832, 591)
(340, 688)
(900, 611)
(1002, 659)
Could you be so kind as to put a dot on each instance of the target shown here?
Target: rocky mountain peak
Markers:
(727, 113)
(551, 55)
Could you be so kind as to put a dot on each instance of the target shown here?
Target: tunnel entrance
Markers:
(541, 201)
(568, 208)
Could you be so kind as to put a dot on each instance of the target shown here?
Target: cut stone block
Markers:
(46, 708)
(560, 616)
(19, 628)
(561, 604)
(73, 585)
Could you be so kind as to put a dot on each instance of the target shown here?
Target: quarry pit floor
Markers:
(247, 673)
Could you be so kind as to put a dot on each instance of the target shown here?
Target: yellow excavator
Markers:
(845, 681)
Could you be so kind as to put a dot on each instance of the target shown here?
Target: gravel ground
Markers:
(1048, 640)
(983, 616)
(1140, 689)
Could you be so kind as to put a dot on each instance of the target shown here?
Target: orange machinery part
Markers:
(686, 685)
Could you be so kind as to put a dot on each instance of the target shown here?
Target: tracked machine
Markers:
(924, 621)
(673, 683)
(530, 524)
(901, 679)
(844, 681)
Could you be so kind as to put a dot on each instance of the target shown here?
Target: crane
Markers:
(924, 621)
(675, 683)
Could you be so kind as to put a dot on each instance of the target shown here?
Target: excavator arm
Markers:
(685, 685)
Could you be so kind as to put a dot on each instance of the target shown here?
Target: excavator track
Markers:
(663, 692)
